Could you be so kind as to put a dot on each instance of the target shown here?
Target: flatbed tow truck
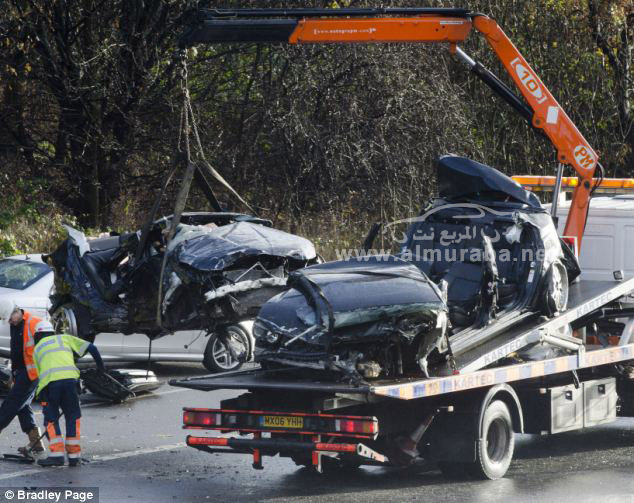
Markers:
(464, 422)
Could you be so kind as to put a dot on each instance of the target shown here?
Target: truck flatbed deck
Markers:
(266, 380)
(585, 297)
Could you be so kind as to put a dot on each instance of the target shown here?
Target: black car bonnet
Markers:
(355, 292)
(222, 247)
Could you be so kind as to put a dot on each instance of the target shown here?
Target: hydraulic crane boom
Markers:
(420, 25)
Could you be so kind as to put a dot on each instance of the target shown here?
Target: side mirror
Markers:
(372, 234)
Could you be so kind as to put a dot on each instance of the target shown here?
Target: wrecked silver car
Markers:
(481, 257)
(219, 269)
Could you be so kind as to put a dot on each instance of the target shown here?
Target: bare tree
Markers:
(612, 25)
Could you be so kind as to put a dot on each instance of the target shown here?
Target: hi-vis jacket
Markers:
(28, 344)
(54, 358)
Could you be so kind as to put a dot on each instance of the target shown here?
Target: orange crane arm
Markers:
(572, 148)
(421, 25)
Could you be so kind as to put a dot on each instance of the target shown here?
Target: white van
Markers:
(608, 241)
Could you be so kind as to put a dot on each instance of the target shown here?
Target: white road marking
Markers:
(138, 452)
(110, 457)
(120, 455)
(19, 474)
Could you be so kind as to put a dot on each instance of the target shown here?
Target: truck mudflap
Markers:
(257, 445)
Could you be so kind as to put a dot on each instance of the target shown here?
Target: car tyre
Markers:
(556, 290)
(65, 321)
(218, 358)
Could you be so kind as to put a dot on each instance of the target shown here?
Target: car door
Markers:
(198, 344)
(169, 347)
(34, 299)
(109, 345)
(178, 345)
(5, 343)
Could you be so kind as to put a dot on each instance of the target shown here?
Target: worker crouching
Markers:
(23, 376)
(58, 388)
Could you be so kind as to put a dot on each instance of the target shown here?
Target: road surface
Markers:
(136, 453)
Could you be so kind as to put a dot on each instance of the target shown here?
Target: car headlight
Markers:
(262, 333)
(271, 337)
(441, 320)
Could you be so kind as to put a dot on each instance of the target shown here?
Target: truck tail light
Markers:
(191, 418)
(257, 421)
(355, 426)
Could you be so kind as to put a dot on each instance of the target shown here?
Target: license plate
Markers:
(282, 421)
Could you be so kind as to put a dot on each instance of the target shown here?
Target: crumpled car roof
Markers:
(460, 177)
(215, 249)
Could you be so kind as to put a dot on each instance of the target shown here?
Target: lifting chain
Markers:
(188, 128)
(188, 176)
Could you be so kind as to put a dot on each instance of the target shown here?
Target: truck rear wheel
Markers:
(496, 443)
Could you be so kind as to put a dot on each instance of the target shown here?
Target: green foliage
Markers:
(29, 221)
(321, 139)
(36, 234)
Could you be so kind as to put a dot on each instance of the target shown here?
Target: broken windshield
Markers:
(21, 274)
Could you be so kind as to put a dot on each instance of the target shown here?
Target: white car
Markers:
(28, 282)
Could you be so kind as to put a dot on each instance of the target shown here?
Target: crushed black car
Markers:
(219, 269)
(481, 257)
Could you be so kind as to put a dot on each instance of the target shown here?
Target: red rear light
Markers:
(348, 426)
(253, 421)
(354, 426)
(191, 418)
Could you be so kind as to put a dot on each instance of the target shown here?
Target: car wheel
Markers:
(495, 447)
(64, 320)
(556, 290)
(219, 357)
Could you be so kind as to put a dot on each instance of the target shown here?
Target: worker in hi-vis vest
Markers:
(23, 375)
(58, 388)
